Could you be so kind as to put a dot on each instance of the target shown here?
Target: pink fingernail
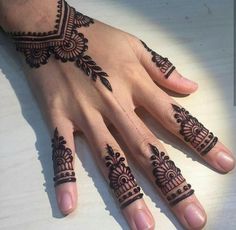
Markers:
(189, 81)
(142, 220)
(194, 216)
(225, 161)
(65, 202)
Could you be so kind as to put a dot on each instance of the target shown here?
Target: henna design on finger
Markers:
(165, 66)
(64, 42)
(194, 132)
(168, 177)
(121, 179)
(62, 161)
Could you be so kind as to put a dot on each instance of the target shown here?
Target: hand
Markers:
(121, 72)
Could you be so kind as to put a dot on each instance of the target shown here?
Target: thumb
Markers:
(162, 71)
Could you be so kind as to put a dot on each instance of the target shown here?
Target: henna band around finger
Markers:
(62, 160)
(121, 179)
(193, 132)
(168, 177)
(165, 66)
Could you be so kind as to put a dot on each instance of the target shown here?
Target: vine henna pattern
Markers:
(121, 179)
(193, 131)
(64, 42)
(62, 161)
(165, 66)
(168, 177)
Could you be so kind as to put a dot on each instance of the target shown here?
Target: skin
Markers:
(73, 103)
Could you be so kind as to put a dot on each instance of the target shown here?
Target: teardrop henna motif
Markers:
(162, 63)
(121, 179)
(62, 160)
(193, 131)
(168, 177)
(64, 42)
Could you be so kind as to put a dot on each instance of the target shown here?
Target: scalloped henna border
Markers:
(65, 43)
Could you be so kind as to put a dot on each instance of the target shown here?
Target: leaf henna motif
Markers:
(62, 160)
(168, 177)
(91, 69)
(193, 131)
(121, 179)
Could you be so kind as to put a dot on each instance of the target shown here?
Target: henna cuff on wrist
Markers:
(65, 43)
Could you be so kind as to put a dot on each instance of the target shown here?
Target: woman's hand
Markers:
(87, 75)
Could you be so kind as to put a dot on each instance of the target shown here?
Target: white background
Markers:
(198, 37)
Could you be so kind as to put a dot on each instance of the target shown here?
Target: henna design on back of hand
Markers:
(64, 42)
(193, 131)
(165, 66)
(121, 179)
(62, 160)
(168, 177)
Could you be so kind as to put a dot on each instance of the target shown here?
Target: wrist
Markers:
(29, 15)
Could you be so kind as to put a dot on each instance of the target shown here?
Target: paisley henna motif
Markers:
(121, 179)
(62, 160)
(168, 177)
(64, 42)
(193, 131)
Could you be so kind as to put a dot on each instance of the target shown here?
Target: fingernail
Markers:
(66, 202)
(142, 220)
(189, 81)
(194, 216)
(225, 161)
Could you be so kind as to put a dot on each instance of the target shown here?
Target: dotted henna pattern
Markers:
(62, 160)
(162, 63)
(168, 177)
(64, 42)
(193, 131)
(121, 179)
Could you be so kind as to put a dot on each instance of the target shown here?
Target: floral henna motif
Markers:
(193, 131)
(121, 179)
(164, 64)
(64, 42)
(62, 160)
(168, 177)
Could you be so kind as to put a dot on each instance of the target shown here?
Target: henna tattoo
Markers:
(166, 67)
(62, 161)
(64, 42)
(91, 69)
(193, 131)
(121, 179)
(168, 177)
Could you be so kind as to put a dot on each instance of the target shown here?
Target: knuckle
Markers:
(169, 119)
(143, 147)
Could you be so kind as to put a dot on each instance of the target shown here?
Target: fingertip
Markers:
(181, 84)
(220, 158)
(138, 216)
(191, 213)
(66, 195)
(178, 83)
